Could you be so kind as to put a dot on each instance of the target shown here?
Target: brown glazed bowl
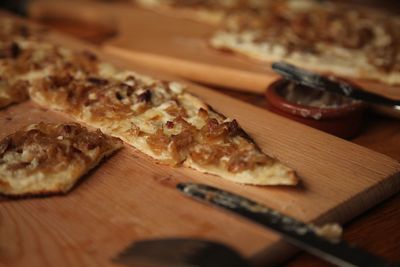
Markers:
(343, 121)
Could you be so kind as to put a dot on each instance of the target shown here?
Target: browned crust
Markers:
(47, 193)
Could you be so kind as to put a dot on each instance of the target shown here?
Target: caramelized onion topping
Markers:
(220, 144)
(48, 146)
(305, 30)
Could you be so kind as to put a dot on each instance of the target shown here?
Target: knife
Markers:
(16, 6)
(297, 233)
(316, 81)
(180, 252)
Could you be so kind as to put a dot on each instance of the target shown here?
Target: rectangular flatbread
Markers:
(318, 35)
(207, 11)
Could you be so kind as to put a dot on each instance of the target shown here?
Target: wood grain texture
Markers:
(129, 197)
(174, 45)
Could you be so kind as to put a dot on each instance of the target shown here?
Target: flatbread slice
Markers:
(35, 60)
(162, 120)
(12, 33)
(48, 158)
(207, 11)
(25, 57)
(12, 29)
(321, 36)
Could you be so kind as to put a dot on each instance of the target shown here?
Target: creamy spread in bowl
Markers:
(306, 96)
(329, 112)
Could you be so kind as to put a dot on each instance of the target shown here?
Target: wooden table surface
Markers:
(377, 230)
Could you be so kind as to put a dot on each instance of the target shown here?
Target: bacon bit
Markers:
(119, 96)
(127, 88)
(17, 166)
(11, 51)
(24, 31)
(97, 81)
(3, 53)
(4, 145)
(145, 96)
(60, 81)
(15, 50)
(169, 124)
(233, 128)
(89, 55)
(67, 128)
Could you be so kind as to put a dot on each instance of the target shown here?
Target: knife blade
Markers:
(319, 82)
(180, 252)
(297, 233)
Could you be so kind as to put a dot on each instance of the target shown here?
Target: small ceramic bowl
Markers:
(331, 113)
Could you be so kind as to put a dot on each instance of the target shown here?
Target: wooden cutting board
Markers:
(174, 45)
(130, 197)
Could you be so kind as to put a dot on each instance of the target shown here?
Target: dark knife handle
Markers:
(15, 6)
(293, 231)
(319, 82)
